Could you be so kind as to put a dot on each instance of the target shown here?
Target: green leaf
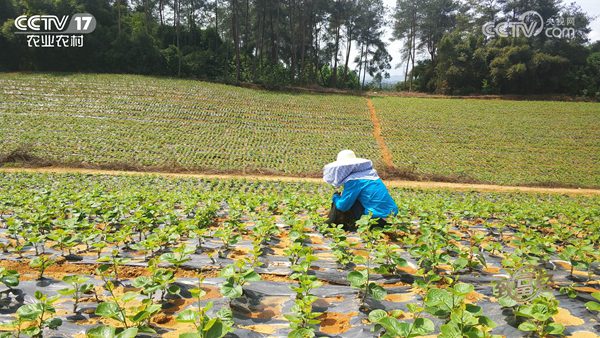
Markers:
(231, 291)
(66, 292)
(251, 276)
(507, 302)
(376, 315)
(554, 329)
(394, 326)
(463, 289)
(301, 333)
(214, 328)
(109, 310)
(187, 316)
(376, 291)
(450, 330)
(30, 311)
(596, 295)
(190, 335)
(129, 333)
(592, 306)
(54, 323)
(422, 326)
(357, 279)
(173, 289)
(527, 327)
(102, 331)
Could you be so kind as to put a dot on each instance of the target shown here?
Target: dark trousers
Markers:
(349, 218)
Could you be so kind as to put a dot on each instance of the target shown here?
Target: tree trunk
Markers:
(335, 56)
(348, 49)
(292, 41)
(365, 65)
(177, 33)
(217, 17)
(360, 63)
(160, 12)
(236, 38)
(119, 16)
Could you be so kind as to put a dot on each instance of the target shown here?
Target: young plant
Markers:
(536, 317)
(302, 319)
(360, 279)
(462, 319)
(341, 247)
(41, 263)
(229, 236)
(179, 256)
(137, 316)
(32, 319)
(110, 265)
(206, 327)
(10, 278)
(393, 327)
(388, 257)
(236, 276)
(78, 287)
(161, 280)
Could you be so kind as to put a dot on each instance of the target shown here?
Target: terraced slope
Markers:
(137, 121)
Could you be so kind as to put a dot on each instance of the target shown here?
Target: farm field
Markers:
(147, 122)
(150, 123)
(505, 142)
(125, 254)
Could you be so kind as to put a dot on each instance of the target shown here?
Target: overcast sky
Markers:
(592, 7)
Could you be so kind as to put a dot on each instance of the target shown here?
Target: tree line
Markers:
(329, 43)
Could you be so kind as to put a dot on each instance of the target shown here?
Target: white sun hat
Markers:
(347, 156)
(347, 167)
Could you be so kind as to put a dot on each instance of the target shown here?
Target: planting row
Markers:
(122, 256)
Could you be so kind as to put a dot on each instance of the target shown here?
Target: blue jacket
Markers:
(372, 194)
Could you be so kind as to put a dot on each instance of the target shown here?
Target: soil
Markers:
(565, 318)
(63, 268)
(336, 322)
(385, 152)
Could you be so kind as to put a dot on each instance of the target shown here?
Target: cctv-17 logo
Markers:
(52, 31)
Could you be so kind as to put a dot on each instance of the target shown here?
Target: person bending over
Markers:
(363, 191)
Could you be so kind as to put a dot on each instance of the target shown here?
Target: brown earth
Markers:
(336, 322)
(385, 152)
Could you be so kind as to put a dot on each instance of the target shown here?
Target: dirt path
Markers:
(390, 183)
(385, 152)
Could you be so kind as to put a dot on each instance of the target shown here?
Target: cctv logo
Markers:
(49, 31)
(45, 22)
(529, 24)
(81, 23)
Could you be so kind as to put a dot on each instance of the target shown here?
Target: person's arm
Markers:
(348, 197)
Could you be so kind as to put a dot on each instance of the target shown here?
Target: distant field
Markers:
(127, 121)
(137, 121)
(505, 142)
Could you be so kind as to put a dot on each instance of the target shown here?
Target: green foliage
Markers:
(33, 318)
(594, 306)
(395, 328)
(537, 316)
(462, 318)
(206, 327)
(78, 287)
(236, 276)
(10, 278)
(40, 263)
(302, 318)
